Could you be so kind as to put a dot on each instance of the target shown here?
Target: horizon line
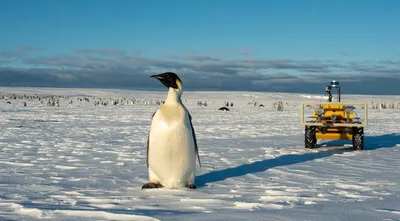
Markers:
(149, 89)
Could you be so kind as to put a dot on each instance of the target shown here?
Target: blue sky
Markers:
(345, 37)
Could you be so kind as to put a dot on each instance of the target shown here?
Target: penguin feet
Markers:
(191, 186)
(152, 185)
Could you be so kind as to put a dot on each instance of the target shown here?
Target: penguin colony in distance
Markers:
(171, 144)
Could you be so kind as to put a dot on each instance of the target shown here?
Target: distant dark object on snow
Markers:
(261, 105)
(223, 109)
(8, 102)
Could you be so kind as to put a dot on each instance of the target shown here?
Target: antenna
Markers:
(328, 90)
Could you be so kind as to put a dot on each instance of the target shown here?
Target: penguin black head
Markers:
(169, 79)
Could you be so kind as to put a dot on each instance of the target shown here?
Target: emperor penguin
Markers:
(171, 143)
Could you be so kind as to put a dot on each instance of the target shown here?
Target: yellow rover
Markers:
(334, 120)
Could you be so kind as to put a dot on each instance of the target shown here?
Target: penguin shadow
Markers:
(117, 211)
(371, 143)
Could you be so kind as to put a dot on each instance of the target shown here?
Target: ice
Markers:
(81, 161)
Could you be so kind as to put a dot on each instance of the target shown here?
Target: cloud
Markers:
(113, 68)
(4, 61)
(245, 51)
(199, 57)
(19, 52)
(110, 52)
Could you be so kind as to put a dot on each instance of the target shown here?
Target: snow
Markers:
(78, 161)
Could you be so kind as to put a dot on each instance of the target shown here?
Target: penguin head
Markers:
(169, 79)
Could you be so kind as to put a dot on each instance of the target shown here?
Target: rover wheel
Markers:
(358, 138)
(310, 140)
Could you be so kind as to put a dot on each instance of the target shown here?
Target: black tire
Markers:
(310, 140)
(358, 138)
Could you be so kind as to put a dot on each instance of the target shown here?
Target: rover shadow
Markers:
(371, 143)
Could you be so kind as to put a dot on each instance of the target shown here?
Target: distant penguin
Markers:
(171, 144)
(223, 109)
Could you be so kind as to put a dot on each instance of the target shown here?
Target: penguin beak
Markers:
(157, 76)
(161, 78)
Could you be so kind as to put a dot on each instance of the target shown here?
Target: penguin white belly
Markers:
(172, 158)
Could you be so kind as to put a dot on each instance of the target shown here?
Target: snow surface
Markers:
(84, 162)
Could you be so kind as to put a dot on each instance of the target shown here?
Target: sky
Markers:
(274, 45)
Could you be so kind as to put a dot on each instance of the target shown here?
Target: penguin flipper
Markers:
(148, 140)
(196, 148)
